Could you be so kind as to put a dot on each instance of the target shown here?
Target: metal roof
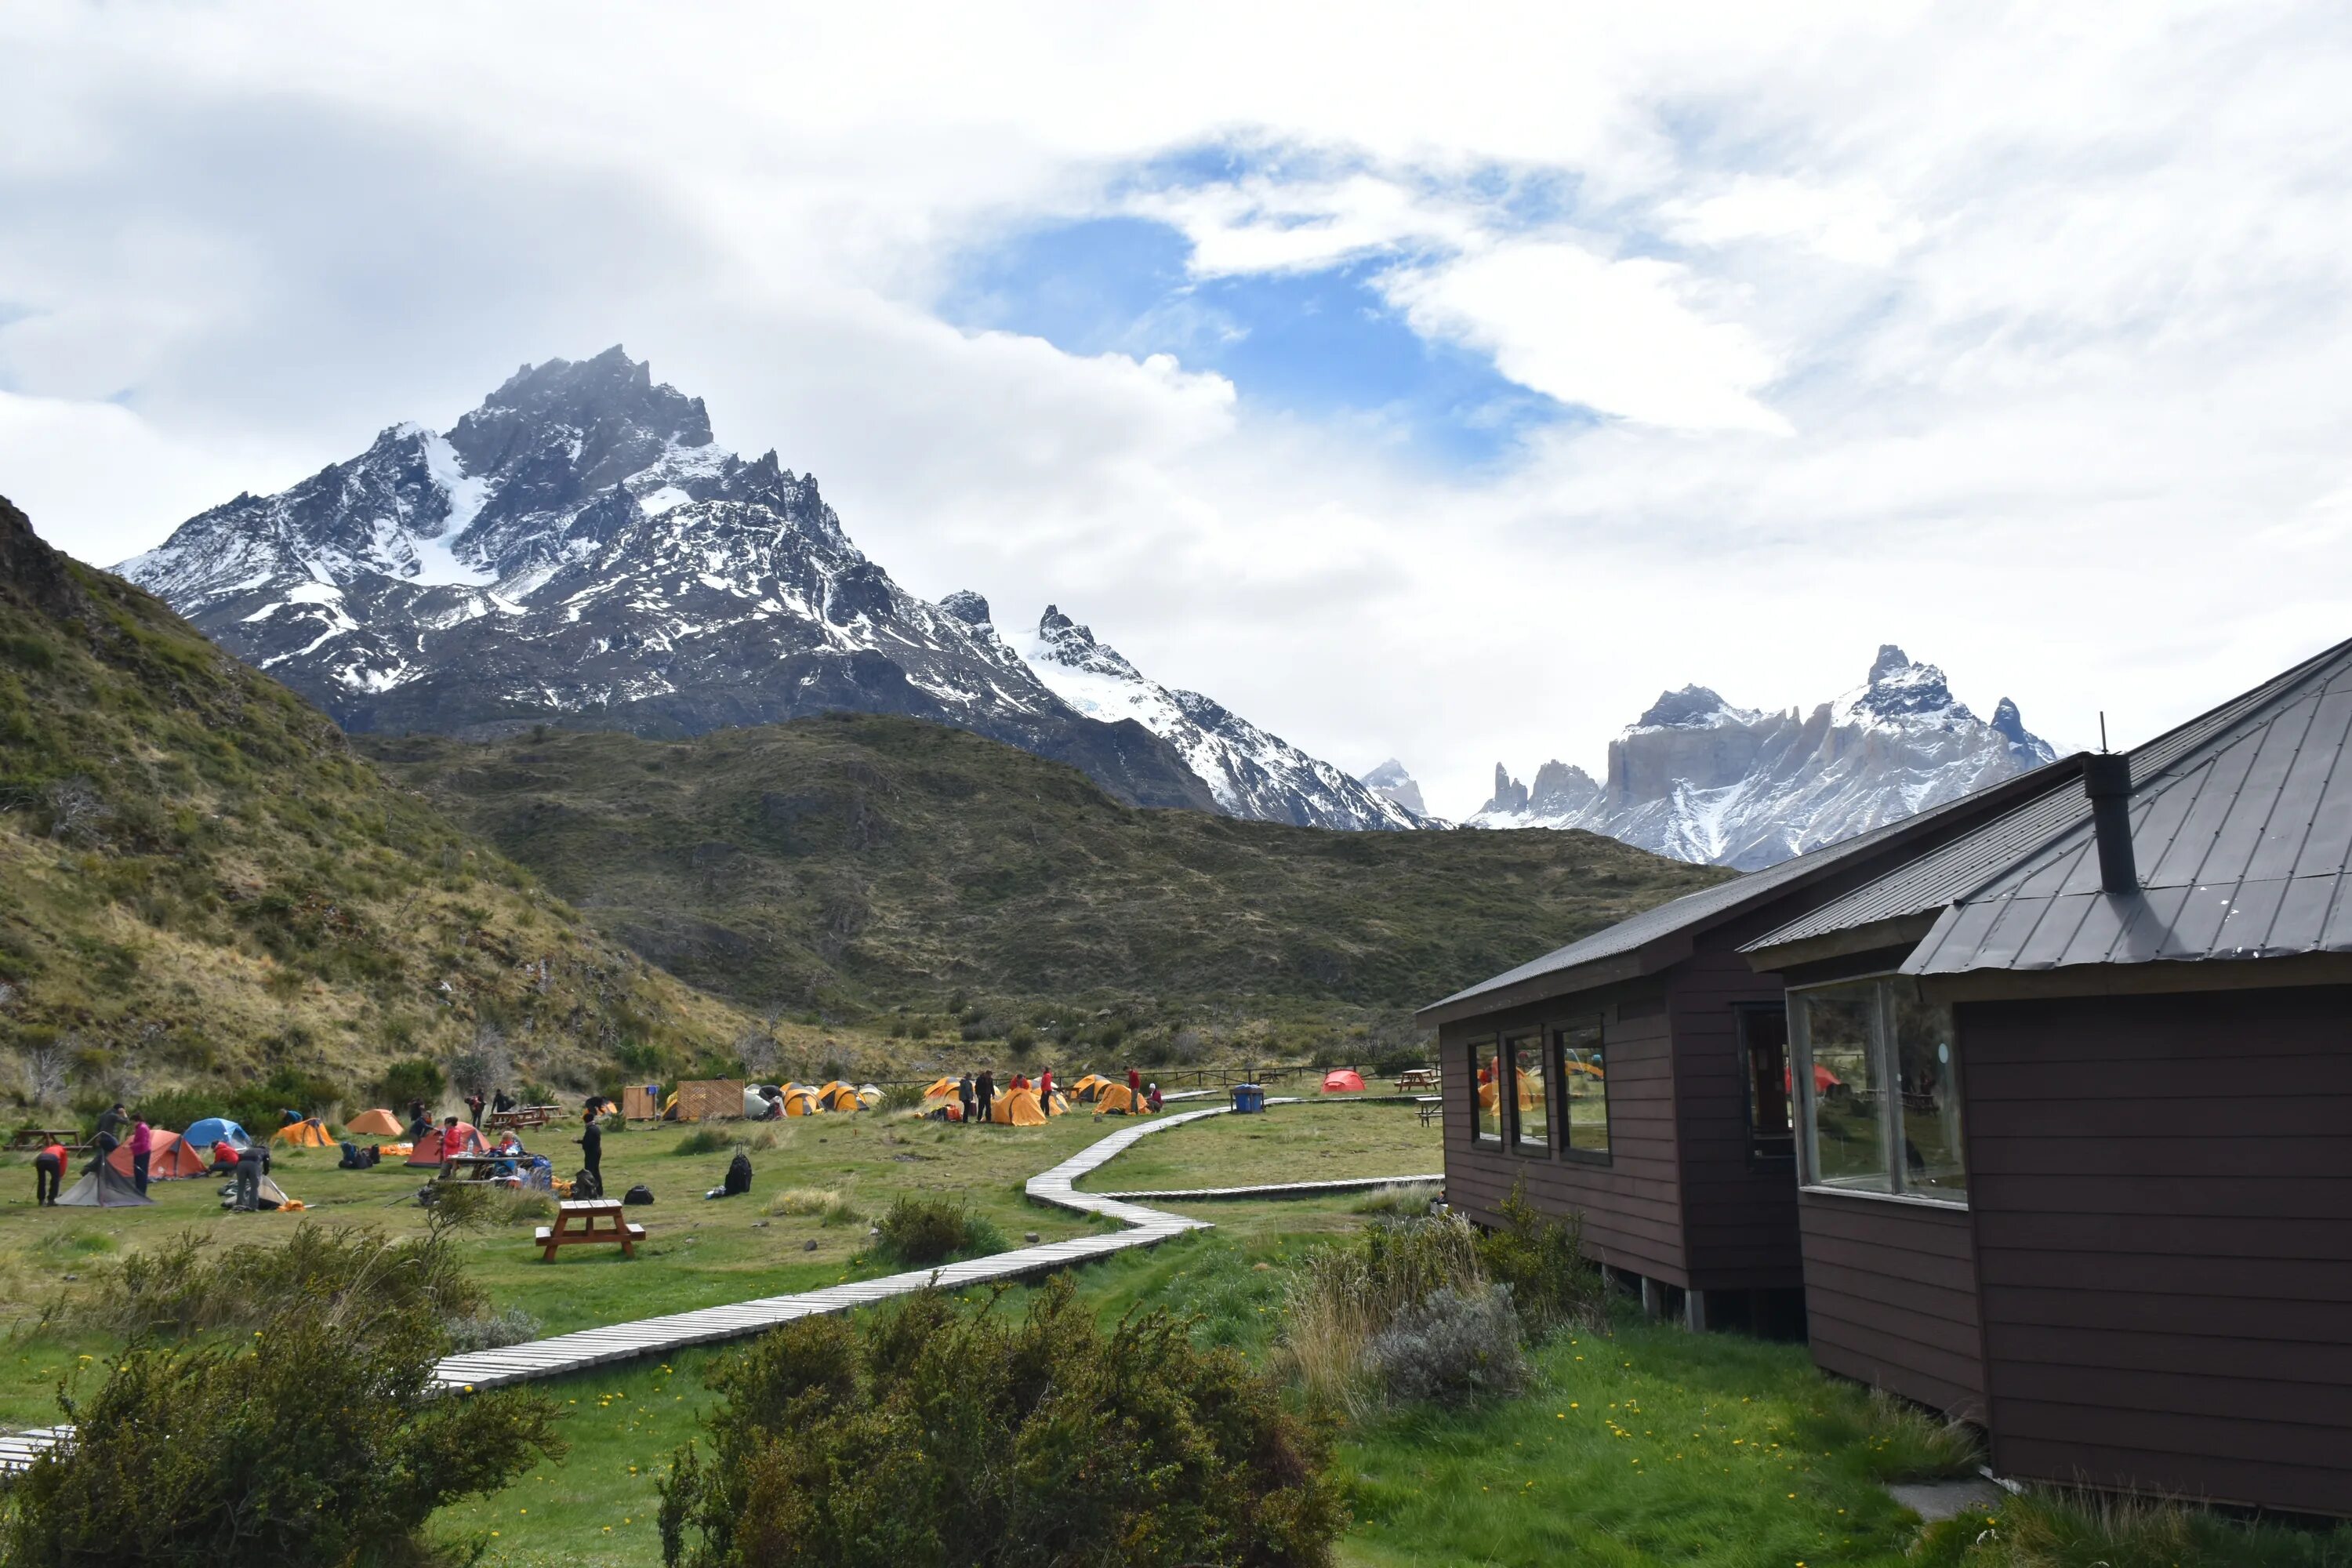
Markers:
(2242, 828)
(1708, 906)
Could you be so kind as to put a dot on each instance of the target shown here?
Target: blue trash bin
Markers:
(1248, 1098)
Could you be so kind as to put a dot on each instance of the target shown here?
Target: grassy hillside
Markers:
(856, 862)
(198, 881)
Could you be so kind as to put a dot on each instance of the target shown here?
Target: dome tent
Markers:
(1343, 1080)
(170, 1158)
(1016, 1108)
(375, 1123)
(308, 1133)
(102, 1188)
(215, 1130)
(838, 1096)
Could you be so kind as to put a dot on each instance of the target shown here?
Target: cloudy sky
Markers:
(1442, 380)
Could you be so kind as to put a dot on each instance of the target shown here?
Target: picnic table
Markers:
(576, 1225)
(1432, 1108)
(521, 1117)
(480, 1165)
(42, 1137)
(1412, 1079)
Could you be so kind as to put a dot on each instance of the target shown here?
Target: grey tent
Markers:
(104, 1187)
(270, 1195)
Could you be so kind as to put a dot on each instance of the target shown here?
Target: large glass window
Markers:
(1879, 1096)
(1531, 1104)
(1764, 1054)
(1485, 1075)
(1583, 1074)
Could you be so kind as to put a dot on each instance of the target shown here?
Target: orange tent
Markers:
(169, 1158)
(838, 1096)
(1089, 1087)
(1016, 1108)
(309, 1133)
(1342, 1081)
(375, 1123)
(799, 1101)
(1531, 1090)
(462, 1140)
(944, 1088)
(1118, 1098)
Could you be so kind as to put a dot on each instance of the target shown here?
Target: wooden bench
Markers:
(1432, 1108)
(576, 1225)
(1412, 1079)
(42, 1137)
(521, 1117)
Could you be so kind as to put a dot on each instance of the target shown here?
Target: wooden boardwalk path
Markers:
(566, 1353)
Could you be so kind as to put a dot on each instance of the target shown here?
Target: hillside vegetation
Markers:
(855, 863)
(202, 882)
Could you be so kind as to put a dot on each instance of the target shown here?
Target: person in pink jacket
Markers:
(142, 1144)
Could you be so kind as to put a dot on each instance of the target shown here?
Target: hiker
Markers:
(419, 1123)
(985, 1090)
(288, 1117)
(592, 1149)
(739, 1178)
(473, 1102)
(964, 1095)
(249, 1166)
(224, 1159)
(1045, 1090)
(48, 1174)
(1153, 1100)
(1134, 1086)
(142, 1145)
(503, 1100)
(111, 1124)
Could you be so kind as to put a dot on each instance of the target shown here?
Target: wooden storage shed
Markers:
(2076, 1160)
(1640, 1079)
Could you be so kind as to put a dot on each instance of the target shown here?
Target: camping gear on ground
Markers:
(586, 1185)
(374, 1123)
(170, 1158)
(1249, 1098)
(430, 1147)
(1343, 1080)
(358, 1159)
(103, 1187)
(1016, 1108)
(757, 1106)
(308, 1132)
(639, 1195)
(215, 1130)
(267, 1195)
(739, 1178)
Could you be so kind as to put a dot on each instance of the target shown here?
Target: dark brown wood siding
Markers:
(1890, 1298)
(1631, 1205)
(1740, 1215)
(2162, 1189)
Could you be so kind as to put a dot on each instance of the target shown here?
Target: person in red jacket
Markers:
(1045, 1089)
(49, 1173)
(1135, 1087)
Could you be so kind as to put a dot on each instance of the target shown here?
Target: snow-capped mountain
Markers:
(1251, 773)
(1390, 781)
(578, 549)
(1701, 780)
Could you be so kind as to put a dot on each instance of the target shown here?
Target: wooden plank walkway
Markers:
(566, 1353)
(1276, 1189)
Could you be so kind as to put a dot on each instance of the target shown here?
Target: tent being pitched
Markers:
(461, 1139)
(269, 1196)
(1016, 1108)
(215, 1130)
(308, 1133)
(103, 1189)
(170, 1158)
(375, 1124)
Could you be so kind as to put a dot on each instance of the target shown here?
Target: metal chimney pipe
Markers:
(2107, 779)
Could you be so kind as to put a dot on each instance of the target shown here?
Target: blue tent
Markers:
(212, 1129)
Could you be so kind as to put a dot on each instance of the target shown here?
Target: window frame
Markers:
(1556, 1047)
(1741, 1012)
(1506, 1053)
(1475, 1048)
(1884, 1066)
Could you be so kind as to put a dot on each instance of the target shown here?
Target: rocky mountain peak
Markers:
(1392, 782)
(1899, 689)
(967, 606)
(1890, 660)
(1690, 708)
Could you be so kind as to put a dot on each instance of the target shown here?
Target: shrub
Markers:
(1541, 1260)
(187, 1284)
(918, 1232)
(1346, 1296)
(900, 1096)
(311, 1441)
(1449, 1347)
(704, 1140)
(490, 1331)
(414, 1078)
(938, 1435)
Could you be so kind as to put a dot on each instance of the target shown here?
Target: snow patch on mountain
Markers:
(1698, 778)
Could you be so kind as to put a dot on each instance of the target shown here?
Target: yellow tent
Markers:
(1089, 1087)
(1118, 1098)
(799, 1101)
(837, 1096)
(944, 1088)
(1059, 1105)
(869, 1095)
(307, 1134)
(379, 1123)
(1016, 1108)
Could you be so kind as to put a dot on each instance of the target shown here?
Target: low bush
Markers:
(704, 1140)
(1541, 1258)
(491, 1331)
(918, 1232)
(1399, 1200)
(900, 1096)
(311, 1440)
(1345, 1296)
(2063, 1528)
(414, 1078)
(939, 1435)
(1449, 1347)
(188, 1284)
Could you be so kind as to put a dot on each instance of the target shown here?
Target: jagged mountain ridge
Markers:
(1699, 779)
(578, 549)
(1252, 773)
(1391, 780)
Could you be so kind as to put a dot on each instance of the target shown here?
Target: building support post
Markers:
(1695, 1310)
(1654, 1299)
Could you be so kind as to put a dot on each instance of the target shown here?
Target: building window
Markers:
(1531, 1102)
(1486, 1073)
(1764, 1057)
(1878, 1092)
(1583, 1076)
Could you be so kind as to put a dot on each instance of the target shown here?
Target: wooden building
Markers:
(2075, 1114)
(1648, 1078)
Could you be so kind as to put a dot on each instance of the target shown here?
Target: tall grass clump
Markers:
(1905, 1443)
(1399, 1200)
(2049, 1528)
(918, 1232)
(1348, 1296)
(942, 1435)
(704, 1140)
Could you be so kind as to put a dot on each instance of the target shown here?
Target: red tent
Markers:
(462, 1140)
(169, 1158)
(1343, 1080)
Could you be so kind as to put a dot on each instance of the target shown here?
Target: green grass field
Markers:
(1317, 1141)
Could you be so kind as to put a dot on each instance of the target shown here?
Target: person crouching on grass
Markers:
(48, 1174)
